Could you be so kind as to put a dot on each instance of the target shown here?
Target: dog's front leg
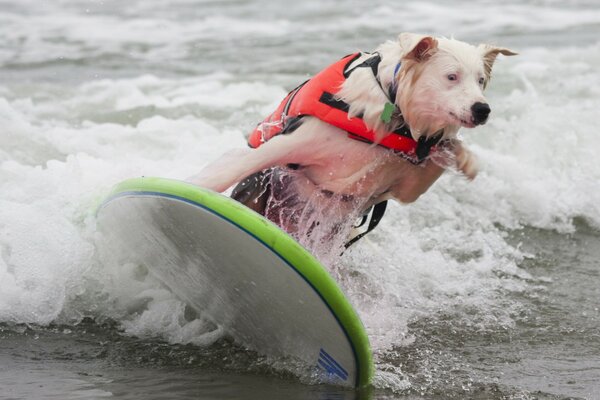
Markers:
(466, 162)
(414, 182)
(419, 179)
(454, 155)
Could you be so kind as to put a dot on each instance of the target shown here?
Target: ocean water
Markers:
(483, 289)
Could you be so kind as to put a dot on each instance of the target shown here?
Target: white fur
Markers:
(429, 101)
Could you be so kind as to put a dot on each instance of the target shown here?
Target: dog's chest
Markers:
(355, 168)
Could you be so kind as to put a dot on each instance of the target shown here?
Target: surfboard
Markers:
(248, 276)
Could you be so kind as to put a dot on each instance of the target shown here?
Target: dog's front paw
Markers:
(454, 156)
(466, 162)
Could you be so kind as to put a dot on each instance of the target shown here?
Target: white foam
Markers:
(71, 35)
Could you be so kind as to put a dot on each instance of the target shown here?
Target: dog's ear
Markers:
(417, 47)
(489, 54)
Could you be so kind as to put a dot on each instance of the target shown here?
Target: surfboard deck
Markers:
(243, 272)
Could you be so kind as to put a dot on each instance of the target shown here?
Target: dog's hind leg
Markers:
(296, 148)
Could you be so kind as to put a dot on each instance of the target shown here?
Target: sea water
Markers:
(483, 289)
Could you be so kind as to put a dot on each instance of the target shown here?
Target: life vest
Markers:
(316, 98)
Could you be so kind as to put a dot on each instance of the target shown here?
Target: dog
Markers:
(370, 128)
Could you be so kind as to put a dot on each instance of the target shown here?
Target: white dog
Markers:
(361, 132)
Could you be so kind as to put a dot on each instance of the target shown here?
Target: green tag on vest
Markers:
(386, 114)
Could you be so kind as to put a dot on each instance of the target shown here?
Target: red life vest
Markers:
(316, 97)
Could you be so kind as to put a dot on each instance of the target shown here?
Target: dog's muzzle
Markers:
(480, 113)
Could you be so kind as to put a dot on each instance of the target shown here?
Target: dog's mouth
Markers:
(463, 122)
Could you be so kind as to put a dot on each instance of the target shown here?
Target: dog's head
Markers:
(441, 83)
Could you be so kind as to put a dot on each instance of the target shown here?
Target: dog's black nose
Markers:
(480, 112)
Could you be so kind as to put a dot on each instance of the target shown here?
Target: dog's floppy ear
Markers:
(489, 54)
(417, 47)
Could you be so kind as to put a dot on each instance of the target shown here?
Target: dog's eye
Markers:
(481, 81)
(452, 77)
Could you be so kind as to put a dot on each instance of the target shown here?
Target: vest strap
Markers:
(376, 216)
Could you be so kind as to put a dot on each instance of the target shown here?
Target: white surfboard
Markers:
(248, 276)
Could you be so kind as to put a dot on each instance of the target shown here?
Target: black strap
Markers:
(373, 63)
(376, 216)
(424, 145)
(293, 123)
(291, 96)
(348, 71)
(331, 101)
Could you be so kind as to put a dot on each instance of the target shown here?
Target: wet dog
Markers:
(408, 99)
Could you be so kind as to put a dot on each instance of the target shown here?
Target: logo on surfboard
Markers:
(332, 367)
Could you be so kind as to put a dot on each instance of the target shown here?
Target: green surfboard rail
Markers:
(280, 242)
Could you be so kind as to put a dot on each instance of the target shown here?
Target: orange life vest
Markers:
(316, 97)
